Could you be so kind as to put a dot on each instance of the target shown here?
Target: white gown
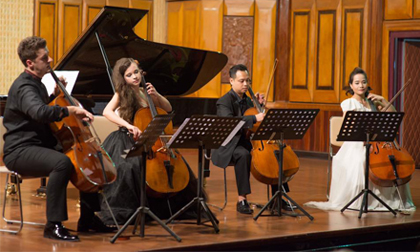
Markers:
(348, 177)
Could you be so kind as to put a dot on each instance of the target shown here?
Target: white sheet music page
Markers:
(233, 133)
(69, 76)
(174, 136)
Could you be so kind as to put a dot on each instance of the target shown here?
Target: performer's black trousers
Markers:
(43, 162)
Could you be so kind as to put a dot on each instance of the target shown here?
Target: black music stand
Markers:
(369, 127)
(141, 148)
(281, 124)
(203, 132)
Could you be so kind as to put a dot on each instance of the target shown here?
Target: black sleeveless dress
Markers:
(123, 195)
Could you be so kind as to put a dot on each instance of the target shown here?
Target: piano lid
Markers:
(173, 70)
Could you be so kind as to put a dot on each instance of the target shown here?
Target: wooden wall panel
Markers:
(301, 68)
(91, 8)
(374, 62)
(325, 71)
(264, 45)
(416, 9)
(144, 28)
(238, 7)
(327, 40)
(283, 42)
(398, 9)
(325, 50)
(160, 22)
(211, 39)
(356, 41)
(208, 25)
(70, 24)
(175, 23)
(118, 3)
(46, 24)
(187, 16)
(192, 26)
(60, 22)
(352, 44)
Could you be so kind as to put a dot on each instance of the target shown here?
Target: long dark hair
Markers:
(130, 100)
(357, 70)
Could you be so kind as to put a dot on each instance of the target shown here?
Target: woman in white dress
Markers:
(348, 165)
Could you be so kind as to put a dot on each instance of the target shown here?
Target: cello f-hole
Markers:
(262, 146)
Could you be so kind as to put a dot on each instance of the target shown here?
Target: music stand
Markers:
(141, 148)
(369, 127)
(203, 132)
(281, 124)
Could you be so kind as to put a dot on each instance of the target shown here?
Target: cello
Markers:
(264, 166)
(390, 164)
(167, 173)
(93, 166)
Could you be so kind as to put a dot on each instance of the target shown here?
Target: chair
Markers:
(103, 127)
(335, 125)
(207, 159)
(16, 179)
(225, 187)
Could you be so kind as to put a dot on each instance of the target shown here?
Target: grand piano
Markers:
(173, 70)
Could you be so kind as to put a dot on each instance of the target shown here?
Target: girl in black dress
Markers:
(124, 194)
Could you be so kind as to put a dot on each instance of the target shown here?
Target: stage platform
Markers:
(330, 230)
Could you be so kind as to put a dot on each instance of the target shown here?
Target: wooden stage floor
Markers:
(329, 229)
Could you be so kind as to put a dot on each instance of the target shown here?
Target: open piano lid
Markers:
(173, 70)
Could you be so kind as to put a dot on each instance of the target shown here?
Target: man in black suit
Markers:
(234, 104)
(30, 147)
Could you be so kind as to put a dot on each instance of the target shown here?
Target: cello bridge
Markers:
(162, 149)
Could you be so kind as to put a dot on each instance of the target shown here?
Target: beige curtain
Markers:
(16, 22)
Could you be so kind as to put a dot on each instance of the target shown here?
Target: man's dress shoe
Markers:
(243, 207)
(95, 225)
(59, 232)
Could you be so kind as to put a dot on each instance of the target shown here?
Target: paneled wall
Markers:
(60, 22)
(243, 29)
(317, 43)
(402, 9)
(399, 15)
(328, 39)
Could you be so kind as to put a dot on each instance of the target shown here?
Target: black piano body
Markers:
(173, 70)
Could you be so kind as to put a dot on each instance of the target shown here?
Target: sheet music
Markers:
(69, 76)
(233, 133)
(174, 136)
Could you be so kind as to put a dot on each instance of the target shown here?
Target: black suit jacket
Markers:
(27, 115)
(228, 106)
